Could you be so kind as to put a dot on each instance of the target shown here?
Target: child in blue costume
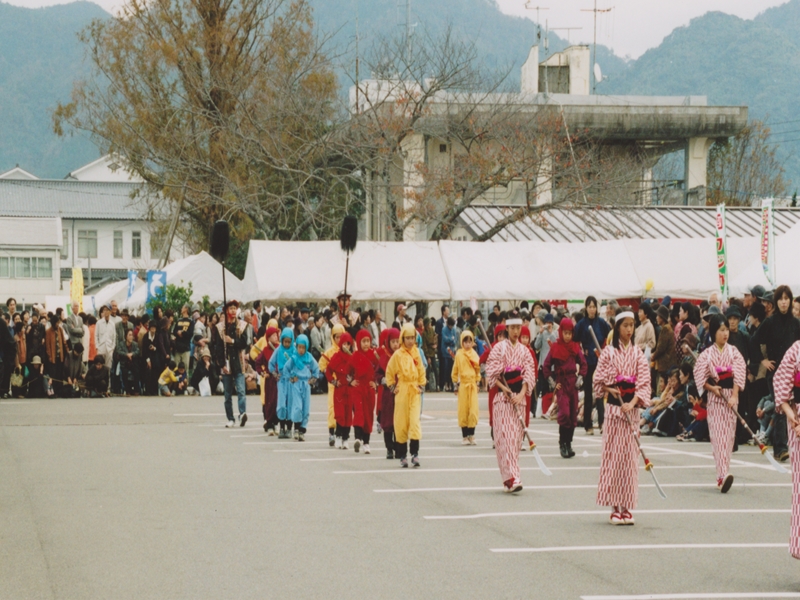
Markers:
(301, 370)
(277, 363)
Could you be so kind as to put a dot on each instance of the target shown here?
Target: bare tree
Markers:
(745, 168)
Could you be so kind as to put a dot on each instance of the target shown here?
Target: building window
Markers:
(442, 148)
(117, 244)
(22, 268)
(44, 268)
(64, 244)
(5, 272)
(87, 244)
(136, 244)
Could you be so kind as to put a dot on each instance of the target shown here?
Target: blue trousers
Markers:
(284, 398)
(300, 406)
(228, 384)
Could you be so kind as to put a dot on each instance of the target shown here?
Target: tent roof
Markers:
(292, 271)
(205, 275)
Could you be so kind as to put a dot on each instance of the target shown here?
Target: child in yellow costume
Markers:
(466, 374)
(336, 333)
(406, 375)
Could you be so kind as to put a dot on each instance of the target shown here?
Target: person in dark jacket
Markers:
(778, 332)
(97, 378)
(584, 337)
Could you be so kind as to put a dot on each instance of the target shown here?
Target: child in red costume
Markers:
(341, 365)
(525, 340)
(365, 364)
(565, 364)
(269, 385)
(499, 335)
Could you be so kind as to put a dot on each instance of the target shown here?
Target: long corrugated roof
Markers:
(71, 199)
(599, 223)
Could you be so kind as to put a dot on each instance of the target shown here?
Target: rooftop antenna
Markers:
(567, 29)
(539, 27)
(409, 31)
(595, 10)
(358, 83)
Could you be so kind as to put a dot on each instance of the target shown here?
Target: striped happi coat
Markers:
(721, 419)
(507, 427)
(784, 386)
(619, 464)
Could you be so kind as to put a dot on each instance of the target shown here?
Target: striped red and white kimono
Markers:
(714, 364)
(786, 384)
(619, 463)
(508, 430)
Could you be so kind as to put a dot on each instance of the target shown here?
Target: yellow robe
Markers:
(467, 372)
(406, 371)
(323, 365)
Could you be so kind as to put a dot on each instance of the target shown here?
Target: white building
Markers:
(106, 226)
(29, 258)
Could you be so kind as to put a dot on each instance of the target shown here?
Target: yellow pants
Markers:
(468, 404)
(407, 406)
(331, 416)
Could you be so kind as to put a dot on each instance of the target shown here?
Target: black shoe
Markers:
(563, 448)
(390, 455)
(242, 419)
(570, 450)
(415, 461)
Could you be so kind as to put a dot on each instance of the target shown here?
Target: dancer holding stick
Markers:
(623, 376)
(510, 360)
(786, 384)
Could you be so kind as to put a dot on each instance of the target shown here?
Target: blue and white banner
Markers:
(132, 276)
(156, 285)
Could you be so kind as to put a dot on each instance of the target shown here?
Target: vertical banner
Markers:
(156, 285)
(76, 288)
(132, 275)
(768, 240)
(722, 252)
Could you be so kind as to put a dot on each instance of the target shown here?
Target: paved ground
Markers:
(153, 498)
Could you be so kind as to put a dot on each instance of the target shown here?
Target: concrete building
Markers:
(639, 129)
(30, 258)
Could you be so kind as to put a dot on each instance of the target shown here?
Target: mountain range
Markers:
(730, 60)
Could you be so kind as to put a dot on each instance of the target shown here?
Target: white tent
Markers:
(113, 291)
(205, 275)
(519, 270)
(291, 271)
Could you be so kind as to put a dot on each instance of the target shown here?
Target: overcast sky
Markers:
(629, 29)
(633, 26)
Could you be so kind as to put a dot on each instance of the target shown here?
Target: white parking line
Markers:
(571, 513)
(713, 596)
(637, 547)
(563, 487)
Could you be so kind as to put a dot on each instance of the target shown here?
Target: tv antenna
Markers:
(538, 20)
(567, 29)
(595, 10)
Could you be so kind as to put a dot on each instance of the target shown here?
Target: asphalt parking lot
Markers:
(154, 498)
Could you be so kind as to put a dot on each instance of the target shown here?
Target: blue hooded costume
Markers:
(280, 357)
(302, 368)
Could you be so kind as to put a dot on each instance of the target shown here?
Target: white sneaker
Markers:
(344, 445)
(465, 442)
(357, 445)
(230, 424)
(366, 449)
(338, 444)
(271, 432)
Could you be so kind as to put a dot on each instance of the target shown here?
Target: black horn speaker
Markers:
(220, 240)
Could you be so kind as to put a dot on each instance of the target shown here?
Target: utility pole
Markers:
(595, 10)
(358, 82)
(408, 31)
(538, 22)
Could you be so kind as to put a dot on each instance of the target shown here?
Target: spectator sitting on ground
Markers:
(698, 428)
(167, 381)
(651, 415)
(97, 378)
(765, 414)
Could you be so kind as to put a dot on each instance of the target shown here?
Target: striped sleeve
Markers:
(785, 374)
(494, 364)
(701, 370)
(643, 390)
(604, 373)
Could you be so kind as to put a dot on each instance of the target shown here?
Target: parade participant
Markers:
(340, 374)
(269, 385)
(510, 367)
(336, 332)
(406, 375)
(380, 352)
(720, 371)
(622, 375)
(525, 340)
(500, 334)
(466, 375)
(389, 345)
(277, 362)
(566, 365)
(786, 384)
(363, 388)
(228, 345)
(300, 371)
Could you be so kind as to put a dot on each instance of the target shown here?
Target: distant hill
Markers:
(730, 60)
(40, 57)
